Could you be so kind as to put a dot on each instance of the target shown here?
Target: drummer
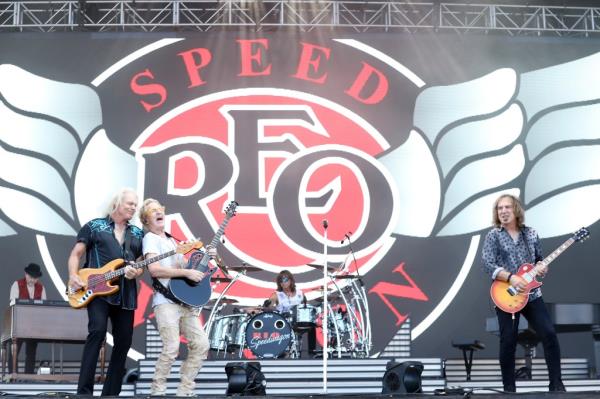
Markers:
(285, 298)
(287, 295)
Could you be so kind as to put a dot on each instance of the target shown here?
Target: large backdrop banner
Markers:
(401, 142)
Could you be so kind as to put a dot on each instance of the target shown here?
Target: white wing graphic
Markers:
(534, 135)
(46, 125)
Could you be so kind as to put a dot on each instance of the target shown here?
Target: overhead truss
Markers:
(359, 16)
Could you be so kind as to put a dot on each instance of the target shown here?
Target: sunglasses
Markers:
(285, 279)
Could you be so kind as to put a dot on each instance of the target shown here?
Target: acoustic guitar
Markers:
(506, 297)
(98, 281)
(196, 294)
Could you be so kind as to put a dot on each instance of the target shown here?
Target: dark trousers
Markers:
(537, 315)
(99, 312)
(311, 333)
(30, 349)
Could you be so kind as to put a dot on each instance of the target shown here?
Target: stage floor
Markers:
(346, 378)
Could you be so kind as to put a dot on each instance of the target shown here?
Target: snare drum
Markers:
(268, 335)
(304, 316)
(227, 332)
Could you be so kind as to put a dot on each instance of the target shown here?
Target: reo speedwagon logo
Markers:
(291, 158)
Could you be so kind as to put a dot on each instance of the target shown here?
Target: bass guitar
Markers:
(196, 294)
(506, 297)
(98, 281)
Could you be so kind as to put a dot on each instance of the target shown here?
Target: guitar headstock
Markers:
(582, 234)
(231, 209)
(185, 247)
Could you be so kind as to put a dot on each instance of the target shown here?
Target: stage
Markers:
(347, 378)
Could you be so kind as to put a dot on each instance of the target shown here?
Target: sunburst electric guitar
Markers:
(506, 297)
(98, 282)
(197, 294)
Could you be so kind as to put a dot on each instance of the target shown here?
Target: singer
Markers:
(508, 245)
(286, 299)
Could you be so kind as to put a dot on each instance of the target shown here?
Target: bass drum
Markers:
(268, 335)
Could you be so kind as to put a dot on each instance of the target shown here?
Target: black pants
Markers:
(537, 315)
(99, 312)
(30, 349)
(311, 333)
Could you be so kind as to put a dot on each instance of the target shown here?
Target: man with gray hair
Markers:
(103, 240)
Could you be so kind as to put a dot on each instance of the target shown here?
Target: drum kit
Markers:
(268, 334)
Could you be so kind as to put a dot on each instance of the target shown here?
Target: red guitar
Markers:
(506, 297)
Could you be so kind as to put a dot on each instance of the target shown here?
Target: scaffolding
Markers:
(258, 15)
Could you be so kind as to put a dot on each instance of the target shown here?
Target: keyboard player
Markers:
(29, 287)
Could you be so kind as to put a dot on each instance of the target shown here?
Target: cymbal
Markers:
(221, 279)
(248, 268)
(320, 267)
(223, 300)
(331, 297)
(250, 309)
(346, 276)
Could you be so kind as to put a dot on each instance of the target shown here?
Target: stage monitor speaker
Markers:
(402, 377)
(131, 376)
(245, 379)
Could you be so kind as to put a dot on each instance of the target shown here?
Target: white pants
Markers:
(173, 320)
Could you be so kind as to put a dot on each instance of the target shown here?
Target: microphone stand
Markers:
(325, 307)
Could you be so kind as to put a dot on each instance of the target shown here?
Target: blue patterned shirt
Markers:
(102, 247)
(501, 252)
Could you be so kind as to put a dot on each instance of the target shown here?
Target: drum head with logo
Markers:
(268, 335)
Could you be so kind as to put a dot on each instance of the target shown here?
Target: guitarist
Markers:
(172, 318)
(506, 247)
(103, 240)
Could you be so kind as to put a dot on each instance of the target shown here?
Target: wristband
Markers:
(509, 276)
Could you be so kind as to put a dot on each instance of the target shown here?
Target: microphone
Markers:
(325, 224)
(347, 235)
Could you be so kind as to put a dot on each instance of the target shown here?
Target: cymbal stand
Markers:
(294, 352)
(216, 309)
(363, 308)
(349, 311)
(331, 317)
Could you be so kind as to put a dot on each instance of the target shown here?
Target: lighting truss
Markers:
(305, 15)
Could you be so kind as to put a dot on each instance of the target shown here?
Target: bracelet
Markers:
(509, 276)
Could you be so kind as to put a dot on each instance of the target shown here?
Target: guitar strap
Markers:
(524, 233)
(158, 287)
(127, 245)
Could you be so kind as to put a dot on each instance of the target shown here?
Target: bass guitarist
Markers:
(508, 245)
(103, 240)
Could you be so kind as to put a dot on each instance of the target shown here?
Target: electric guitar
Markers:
(197, 294)
(506, 297)
(98, 281)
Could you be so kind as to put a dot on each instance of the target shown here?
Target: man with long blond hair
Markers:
(102, 240)
(507, 246)
(172, 318)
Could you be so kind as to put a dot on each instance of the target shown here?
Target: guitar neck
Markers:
(550, 258)
(219, 233)
(138, 265)
(214, 242)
